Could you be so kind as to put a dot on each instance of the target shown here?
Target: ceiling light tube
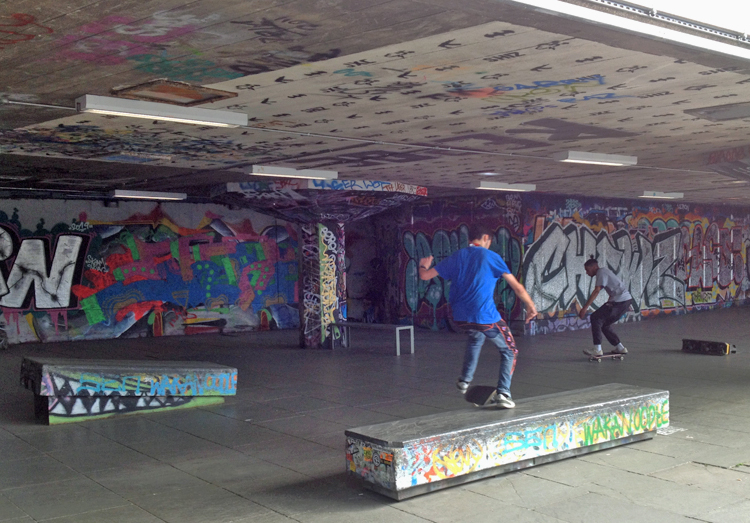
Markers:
(636, 26)
(595, 158)
(498, 186)
(288, 172)
(662, 195)
(148, 195)
(89, 103)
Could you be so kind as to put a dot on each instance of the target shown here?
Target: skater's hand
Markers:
(582, 314)
(531, 312)
(425, 273)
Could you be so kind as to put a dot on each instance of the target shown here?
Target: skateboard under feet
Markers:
(611, 355)
(479, 395)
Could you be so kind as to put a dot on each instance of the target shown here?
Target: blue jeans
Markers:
(499, 334)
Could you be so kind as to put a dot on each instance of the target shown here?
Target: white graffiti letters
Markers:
(555, 277)
(51, 286)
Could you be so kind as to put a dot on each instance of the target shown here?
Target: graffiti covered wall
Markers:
(439, 228)
(78, 270)
(674, 257)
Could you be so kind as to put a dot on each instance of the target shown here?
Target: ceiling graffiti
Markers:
(308, 201)
(432, 94)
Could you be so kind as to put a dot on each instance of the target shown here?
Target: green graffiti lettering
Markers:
(588, 436)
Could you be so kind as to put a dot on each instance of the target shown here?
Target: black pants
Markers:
(604, 317)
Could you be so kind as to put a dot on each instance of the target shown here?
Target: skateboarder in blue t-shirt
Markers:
(473, 273)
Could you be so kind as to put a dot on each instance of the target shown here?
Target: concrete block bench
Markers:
(68, 390)
(377, 326)
(405, 458)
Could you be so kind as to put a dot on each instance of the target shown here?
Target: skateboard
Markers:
(717, 348)
(613, 355)
(479, 394)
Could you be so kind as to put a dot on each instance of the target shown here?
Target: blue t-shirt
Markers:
(473, 273)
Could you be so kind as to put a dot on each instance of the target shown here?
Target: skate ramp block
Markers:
(405, 458)
(69, 390)
(715, 348)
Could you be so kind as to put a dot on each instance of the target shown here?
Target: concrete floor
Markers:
(275, 452)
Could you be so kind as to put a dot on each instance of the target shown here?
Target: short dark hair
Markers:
(477, 230)
(591, 261)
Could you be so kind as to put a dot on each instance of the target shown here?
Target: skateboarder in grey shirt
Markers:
(617, 305)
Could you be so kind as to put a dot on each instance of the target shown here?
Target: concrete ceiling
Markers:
(429, 93)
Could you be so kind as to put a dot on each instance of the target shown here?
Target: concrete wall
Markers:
(675, 257)
(77, 270)
(365, 274)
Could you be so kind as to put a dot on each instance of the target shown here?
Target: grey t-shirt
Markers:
(614, 286)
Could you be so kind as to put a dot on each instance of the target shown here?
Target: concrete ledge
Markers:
(68, 390)
(405, 458)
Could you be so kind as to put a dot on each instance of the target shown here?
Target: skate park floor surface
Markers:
(275, 452)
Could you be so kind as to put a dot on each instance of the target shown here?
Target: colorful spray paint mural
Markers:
(439, 229)
(675, 258)
(85, 277)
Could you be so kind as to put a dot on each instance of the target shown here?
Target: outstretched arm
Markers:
(425, 273)
(521, 293)
(588, 303)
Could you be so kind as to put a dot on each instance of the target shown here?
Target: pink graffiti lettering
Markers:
(11, 25)
(114, 39)
(728, 155)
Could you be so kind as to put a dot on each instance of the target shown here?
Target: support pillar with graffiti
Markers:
(323, 284)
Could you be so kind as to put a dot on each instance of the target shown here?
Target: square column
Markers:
(323, 284)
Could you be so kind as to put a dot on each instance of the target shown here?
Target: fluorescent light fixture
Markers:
(635, 26)
(662, 195)
(148, 195)
(90, 103)
(498, 186)
(288, 172)
(594, 158)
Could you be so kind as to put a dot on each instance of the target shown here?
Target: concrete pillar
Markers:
(322, 284)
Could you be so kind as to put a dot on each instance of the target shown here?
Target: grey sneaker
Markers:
(619, 351)
(498, 399)
(462, 385)
(592, 352)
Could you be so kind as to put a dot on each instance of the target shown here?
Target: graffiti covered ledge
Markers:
(69, 390)
(405, 458)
